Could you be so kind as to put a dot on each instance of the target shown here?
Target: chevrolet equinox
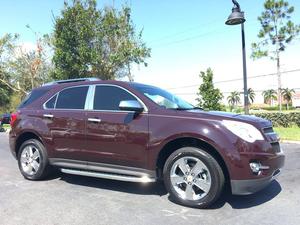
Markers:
(140, 133)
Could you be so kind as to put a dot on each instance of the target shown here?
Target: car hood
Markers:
(218, 115)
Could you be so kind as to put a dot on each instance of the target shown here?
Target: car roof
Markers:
(85, 82)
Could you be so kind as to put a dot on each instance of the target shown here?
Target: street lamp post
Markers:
(235, 18)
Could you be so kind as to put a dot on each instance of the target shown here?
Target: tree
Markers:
(287, 95)
(277, 31)
(30, 69)
(74, 34)
(121, 45)
(269, 96)
(5, 94)
(91, 42)
(7, 43)
(234, 99)
(22, 70)
(209, 96)
(251, 95)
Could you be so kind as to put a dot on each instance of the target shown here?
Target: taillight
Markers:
(13, 118)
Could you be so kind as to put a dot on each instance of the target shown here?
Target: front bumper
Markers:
(247, 187)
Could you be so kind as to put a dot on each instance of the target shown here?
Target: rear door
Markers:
(114, 136)
(65, 118)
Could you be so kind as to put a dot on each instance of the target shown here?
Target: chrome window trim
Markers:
(129, 92)
(89, 101)
(89, 98)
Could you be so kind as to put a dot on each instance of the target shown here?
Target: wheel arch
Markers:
(26, 135)
(177, 143)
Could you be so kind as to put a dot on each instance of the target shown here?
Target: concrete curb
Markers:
(290, 142)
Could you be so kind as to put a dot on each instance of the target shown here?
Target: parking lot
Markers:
(68, 199)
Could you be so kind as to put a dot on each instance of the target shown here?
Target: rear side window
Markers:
(32, 96)
(109, 97)
(72, 98)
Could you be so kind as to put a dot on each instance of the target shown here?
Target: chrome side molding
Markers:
(143, 179)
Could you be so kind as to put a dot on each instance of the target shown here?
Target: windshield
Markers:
(162, 97)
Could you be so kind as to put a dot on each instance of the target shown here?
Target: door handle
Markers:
(94, 120)
(49, 116)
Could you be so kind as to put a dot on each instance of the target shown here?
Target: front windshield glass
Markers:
(162, 97)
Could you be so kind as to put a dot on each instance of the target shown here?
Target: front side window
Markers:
(72, 98)
(109, 97)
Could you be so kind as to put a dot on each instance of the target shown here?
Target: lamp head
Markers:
(236, 17)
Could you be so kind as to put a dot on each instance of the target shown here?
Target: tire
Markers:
(193, 177)
(33, 160)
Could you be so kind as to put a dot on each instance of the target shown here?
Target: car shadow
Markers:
(248, 201)
(236, 202)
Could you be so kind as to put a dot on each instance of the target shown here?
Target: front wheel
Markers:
(193, 177)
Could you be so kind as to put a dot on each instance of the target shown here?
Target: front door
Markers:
(114, 136)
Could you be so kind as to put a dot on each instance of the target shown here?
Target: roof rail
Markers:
(72, 80)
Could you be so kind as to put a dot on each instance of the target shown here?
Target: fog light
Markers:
(257, 167)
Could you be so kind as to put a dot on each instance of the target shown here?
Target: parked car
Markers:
(5, 118)
(140, 133)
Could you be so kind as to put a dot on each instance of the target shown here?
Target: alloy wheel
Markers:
(30, 160)
(190, 178)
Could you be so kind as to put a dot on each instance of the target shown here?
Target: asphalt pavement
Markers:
(69, 199)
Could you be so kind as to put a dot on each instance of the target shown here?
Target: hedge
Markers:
(280, 119)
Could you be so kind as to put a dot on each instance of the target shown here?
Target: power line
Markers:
(263, 75)
(182, 32)
(238, 79)
(189, 38)
(217, 31)
(227, 92)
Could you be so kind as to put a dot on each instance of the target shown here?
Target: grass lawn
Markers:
(6, 126)
(288, 133)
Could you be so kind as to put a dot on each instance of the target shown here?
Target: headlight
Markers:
(243, 130)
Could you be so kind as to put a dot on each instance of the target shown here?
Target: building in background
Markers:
(296, 99)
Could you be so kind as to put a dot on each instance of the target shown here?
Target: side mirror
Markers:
(131, 105)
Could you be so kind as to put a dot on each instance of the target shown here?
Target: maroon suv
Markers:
(140, 133)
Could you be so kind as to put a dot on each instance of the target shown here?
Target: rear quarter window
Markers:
(32, 96)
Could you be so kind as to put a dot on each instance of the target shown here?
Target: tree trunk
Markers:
(279, 81)
(130, 77)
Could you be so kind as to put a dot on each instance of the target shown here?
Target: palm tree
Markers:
(251, 95)
(234, 98)
(269, 96)
(287, 95)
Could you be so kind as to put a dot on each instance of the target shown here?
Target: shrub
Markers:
(270, 108)
(280, 119)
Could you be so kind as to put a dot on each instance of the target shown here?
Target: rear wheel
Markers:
(33, 160)
(193, 177)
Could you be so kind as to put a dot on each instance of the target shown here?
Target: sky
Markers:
(185, 37)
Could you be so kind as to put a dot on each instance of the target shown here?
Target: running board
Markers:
(143, 179)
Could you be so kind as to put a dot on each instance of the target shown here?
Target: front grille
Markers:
(268, 130)
(276, 147)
